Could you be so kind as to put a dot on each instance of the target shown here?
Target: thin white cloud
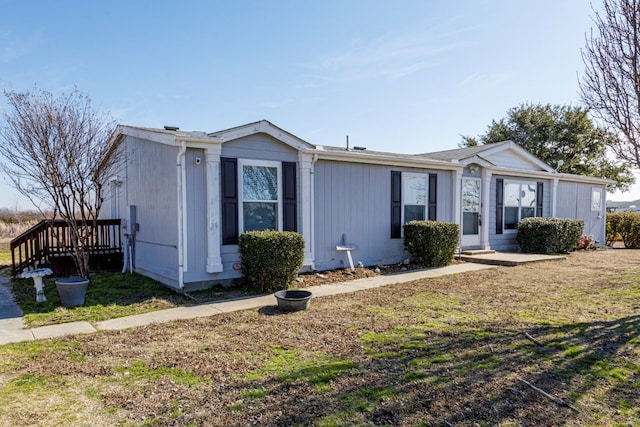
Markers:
(484, 80)
(391, 56)
(288, 102)
(14, 46)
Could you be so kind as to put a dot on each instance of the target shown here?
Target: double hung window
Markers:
(519, 202)
(260, 194)
(596, 200)
(414, 196)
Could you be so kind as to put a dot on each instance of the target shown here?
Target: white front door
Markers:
(471, 220)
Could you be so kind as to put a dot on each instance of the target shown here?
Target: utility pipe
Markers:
(181, 214)
(312, 232)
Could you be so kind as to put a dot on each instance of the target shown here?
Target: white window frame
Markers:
(405, 179)
(114, 196)
(505, 206)
(597, 191)
(260, 163)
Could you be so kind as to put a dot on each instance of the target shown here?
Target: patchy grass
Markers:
(444, 351)
(5, 257)
(113, 295)
(109, 295)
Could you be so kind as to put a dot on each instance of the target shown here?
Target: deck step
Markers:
(478, 252)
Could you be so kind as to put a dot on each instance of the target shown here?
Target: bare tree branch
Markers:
(610, 86)
(57, 153)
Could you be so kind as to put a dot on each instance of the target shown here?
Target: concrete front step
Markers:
(478, 252)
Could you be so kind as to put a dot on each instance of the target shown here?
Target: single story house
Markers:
(632, 206)
(185, 197)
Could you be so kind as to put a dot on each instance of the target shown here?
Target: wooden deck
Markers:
(49, 242)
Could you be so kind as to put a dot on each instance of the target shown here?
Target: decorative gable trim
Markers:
(167, 137)
(521, 152)
(266, 127)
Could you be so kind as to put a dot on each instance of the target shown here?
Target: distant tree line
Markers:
(14, 222)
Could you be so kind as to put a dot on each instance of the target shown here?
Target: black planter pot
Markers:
(293, 300)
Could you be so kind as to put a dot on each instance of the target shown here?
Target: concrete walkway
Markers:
(12, 325)
(508, 259)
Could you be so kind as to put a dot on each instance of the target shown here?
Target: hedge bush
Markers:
(624, 226)
(543, 235)
(432, 243)
(271, 259)
(612, 234)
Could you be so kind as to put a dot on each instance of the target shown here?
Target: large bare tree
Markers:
(56, 153)
(610, 86)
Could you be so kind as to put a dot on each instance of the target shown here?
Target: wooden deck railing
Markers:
(52, 238)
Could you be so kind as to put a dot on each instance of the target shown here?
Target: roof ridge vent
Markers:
(172, 128)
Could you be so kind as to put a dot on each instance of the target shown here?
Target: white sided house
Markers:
(185, 197)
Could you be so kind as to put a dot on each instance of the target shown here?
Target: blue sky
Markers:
(405, 76)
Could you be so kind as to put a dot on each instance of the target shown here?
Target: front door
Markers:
(471, 220)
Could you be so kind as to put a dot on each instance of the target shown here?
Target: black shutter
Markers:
(499, 204)
(539, 197)
(433, 196)
(289, 196)
(396, 204)
(229, 201)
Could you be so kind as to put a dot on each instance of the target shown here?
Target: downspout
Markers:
(182, 190)
(312, 232)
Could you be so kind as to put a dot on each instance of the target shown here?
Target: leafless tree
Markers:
(610, 86)
(57, 154)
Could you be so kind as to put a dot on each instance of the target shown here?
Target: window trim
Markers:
(114, 197)
(260, 163)
(594, 191)
(522, 182)
(405, 178)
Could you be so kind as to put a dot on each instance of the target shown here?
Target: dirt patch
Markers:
(343, 275)
(445, 351)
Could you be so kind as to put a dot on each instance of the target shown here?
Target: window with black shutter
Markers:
(229, 180)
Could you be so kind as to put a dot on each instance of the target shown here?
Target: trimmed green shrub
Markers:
(543, 235)
(271, 259)
(432, 243)
(624, 226)
(612, 226)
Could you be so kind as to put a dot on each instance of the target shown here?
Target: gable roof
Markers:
(266, 127)
(506, 154)
(459, 154)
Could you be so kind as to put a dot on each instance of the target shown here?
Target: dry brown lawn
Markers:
(449, 351)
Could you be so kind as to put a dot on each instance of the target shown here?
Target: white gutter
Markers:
(524, 173)
(182, 222)
(385, 159)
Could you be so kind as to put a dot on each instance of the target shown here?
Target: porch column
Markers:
(305, 189)
(214, 260)
(457, 198)
(554, 197)
(485, 208)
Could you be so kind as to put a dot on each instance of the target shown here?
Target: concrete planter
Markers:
(293, 300)
(72, 291)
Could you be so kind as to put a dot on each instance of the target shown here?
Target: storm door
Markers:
(471, 219)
